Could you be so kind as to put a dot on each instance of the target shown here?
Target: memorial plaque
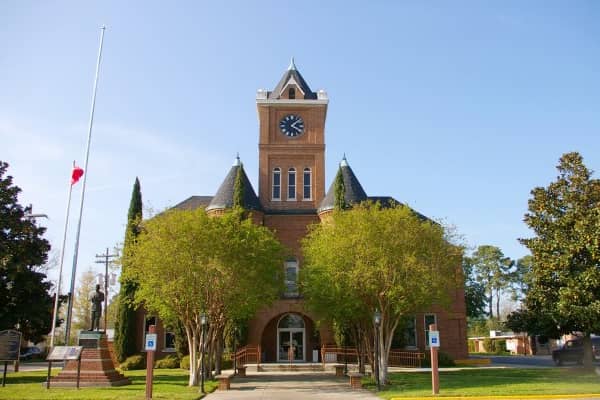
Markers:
(10, 343)
(89, 339)
(60, 353)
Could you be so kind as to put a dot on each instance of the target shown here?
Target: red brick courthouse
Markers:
(291, 196)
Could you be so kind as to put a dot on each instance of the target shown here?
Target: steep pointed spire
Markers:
(353, 190)
(224, 198)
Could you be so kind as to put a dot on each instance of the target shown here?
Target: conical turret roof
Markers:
(224, 197)
(353, 190)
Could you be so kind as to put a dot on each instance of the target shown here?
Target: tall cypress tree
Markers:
(340, 191)
(125, 324)
(238, 188)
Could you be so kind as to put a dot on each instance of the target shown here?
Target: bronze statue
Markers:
(97, 298)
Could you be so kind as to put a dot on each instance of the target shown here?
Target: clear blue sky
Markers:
(457, 108)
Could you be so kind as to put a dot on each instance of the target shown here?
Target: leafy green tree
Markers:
(565, 219)
(125, 329)
(522, 277)
(24, 299)
(493, 272)
(187, 263)
(368, 258)
(82, 307)
(475, 297)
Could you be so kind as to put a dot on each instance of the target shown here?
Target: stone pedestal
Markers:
(97, 366)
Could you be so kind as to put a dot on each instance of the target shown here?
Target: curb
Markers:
(516, 397)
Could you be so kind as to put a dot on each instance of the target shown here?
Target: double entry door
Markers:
(290, 344)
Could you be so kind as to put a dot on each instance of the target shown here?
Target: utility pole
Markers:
(106, 258)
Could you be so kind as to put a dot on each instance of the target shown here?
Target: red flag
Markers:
(77, 173)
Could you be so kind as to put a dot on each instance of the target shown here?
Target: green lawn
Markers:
(493, 382)
(168, 384)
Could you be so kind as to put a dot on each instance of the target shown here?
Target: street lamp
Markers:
(235, 350)
(377, 322)
(203, 321)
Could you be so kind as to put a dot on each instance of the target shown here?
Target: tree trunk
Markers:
(498, 303)
(192, 338)
(491, 305)
(588, 356)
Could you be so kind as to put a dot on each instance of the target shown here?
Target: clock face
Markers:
(291, 125)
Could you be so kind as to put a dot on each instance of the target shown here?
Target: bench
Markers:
(339, 369)
(355, 380)
(241, 371)
(224, 381)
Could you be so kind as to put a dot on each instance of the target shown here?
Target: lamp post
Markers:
(235, 350)
(377, 322)
(203, 321)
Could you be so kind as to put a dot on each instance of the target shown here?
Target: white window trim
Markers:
(273, 198)
(309, 185)
(292, 169)
(166, 349)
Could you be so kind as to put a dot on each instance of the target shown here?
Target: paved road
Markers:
(30, 366)
(528, 361)
(523, 361)
(291, 386)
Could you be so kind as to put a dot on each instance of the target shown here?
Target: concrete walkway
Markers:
(291, 386)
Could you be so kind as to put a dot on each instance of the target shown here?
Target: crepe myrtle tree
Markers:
(371, 258)
(187, 264)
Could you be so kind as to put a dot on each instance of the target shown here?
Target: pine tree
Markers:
(125, 324)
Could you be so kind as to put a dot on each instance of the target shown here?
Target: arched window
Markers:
(291, 321)
(292, 93)
(307, 184)
(291, 277)
(276, 183)
(292, 184)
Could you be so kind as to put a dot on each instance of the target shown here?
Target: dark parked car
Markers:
(572, 350)
(29, 352)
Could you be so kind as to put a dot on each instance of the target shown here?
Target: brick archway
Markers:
(270, 332)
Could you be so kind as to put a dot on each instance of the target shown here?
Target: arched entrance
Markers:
(291, 338)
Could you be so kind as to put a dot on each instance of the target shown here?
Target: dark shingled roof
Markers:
(292, 72)
(224, 197)
(354, 192)
(194, 202)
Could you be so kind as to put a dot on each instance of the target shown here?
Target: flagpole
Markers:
(62, 259)
(85, 168)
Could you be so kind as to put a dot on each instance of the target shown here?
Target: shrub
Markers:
(444, 360)
(169, 362)
(137, 361)
(490, 345)
(226, 363)
(471, 344)
(500, 347)
(185, 362)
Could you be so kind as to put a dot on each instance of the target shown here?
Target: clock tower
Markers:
(291, 145)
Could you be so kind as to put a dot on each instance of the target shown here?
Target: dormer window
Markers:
(292, 184)
(292, 93)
